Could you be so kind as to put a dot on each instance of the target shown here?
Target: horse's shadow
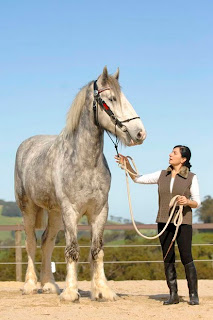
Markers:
(82, 293)
(157, 297)
(87, 294)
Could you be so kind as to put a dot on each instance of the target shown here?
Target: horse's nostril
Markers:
(140, 135)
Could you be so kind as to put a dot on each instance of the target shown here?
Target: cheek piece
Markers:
(98, 101)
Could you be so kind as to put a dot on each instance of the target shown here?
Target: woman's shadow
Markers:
(163, 297)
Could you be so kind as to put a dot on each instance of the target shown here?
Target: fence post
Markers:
(18, 255)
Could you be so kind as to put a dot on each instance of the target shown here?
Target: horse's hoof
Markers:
(50, 287)
(29, 288)
(70, 295)
(106, 294)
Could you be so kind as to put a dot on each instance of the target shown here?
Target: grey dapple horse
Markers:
(68, 176)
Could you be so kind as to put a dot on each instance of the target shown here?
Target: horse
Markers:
(67, 176)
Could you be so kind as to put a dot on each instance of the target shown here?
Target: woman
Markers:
(176, 180)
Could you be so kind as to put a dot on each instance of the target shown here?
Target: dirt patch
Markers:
(137, 300)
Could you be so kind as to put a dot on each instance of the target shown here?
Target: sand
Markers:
(137, 300)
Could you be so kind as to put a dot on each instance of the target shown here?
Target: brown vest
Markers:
(181, 186)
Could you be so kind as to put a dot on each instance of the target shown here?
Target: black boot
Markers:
(171, 278)
(191, 276)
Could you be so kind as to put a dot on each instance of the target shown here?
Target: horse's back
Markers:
(35, 143)
(33, 147)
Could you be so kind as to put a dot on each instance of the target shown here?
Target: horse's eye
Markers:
(112, 99)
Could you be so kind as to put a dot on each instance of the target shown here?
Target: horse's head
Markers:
(115, 113)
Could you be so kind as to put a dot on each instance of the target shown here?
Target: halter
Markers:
(99, 101)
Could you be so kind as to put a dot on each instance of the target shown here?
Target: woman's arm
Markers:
(187, 202)
(151, 178)
(194, 202)
(195, 192)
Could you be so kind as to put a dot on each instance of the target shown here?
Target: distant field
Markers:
(8, 221)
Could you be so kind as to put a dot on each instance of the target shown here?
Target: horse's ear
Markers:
(104, 76)
(116, 74)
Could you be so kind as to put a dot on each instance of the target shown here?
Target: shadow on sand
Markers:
(163, 297)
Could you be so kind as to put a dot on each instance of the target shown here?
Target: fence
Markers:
(18, 247)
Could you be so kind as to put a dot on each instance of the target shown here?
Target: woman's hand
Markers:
(120, 159)
(182, 200)
(187, 202)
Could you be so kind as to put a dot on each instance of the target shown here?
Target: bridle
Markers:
(99, 101)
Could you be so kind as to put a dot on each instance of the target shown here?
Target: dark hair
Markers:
(185, 153)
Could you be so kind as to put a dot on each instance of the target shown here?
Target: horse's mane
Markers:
(74, 113)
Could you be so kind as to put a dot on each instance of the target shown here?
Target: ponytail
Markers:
(185, 153)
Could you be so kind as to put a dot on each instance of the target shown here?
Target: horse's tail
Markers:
(41, 220)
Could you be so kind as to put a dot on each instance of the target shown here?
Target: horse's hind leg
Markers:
(29, 215)
(100, 289)
(48, 241)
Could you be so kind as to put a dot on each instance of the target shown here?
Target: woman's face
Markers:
(175, 157)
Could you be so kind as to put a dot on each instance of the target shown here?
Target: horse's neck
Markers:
(86, 142)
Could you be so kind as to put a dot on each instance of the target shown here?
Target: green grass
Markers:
(10, 220)
(203, 237)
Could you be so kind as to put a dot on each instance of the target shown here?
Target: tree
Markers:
(10, 209)
(205, 211)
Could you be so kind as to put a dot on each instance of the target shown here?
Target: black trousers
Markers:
(184, 241)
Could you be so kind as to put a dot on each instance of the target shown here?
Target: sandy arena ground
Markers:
(137, 300)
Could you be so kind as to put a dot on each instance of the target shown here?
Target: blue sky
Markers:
(50, 49)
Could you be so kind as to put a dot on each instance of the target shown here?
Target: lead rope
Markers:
(116, 140)
(173, 204)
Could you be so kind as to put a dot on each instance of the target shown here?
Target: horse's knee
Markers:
(97, 244)
(72, 252)
(97, 252)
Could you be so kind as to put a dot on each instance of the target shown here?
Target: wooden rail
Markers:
(196, 226)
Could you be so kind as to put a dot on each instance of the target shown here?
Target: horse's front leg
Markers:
(70, 292)
(100, 289)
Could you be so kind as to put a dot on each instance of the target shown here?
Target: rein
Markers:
(99, 101)
(173, 204)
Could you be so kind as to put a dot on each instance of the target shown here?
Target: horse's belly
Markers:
(84, 197)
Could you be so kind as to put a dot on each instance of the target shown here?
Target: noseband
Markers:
(106, 108)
